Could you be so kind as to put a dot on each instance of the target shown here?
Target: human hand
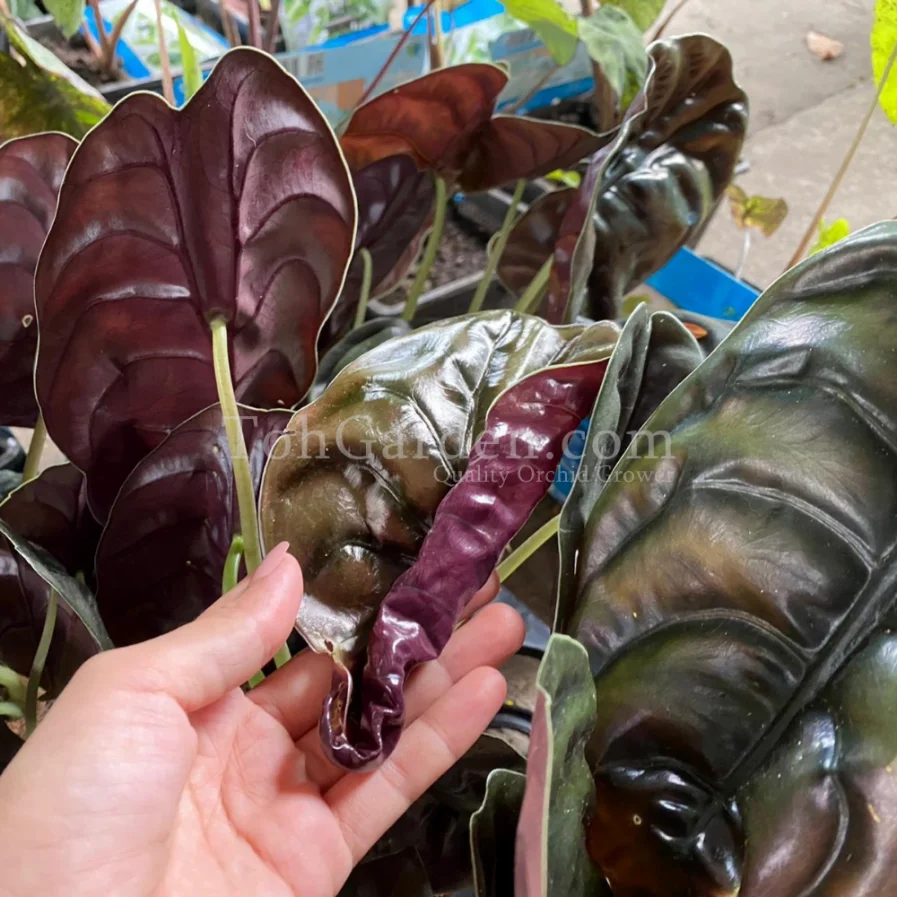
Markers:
(154, 774)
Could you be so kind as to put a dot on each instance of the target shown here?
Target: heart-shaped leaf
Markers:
(444, 121)
(40, 93)
(237, 206)
(31, 171)
(161, 558)
(29, 575)
(509, 470)
(559, 801)
(647, 192)
(739, 554)
(762, 213)
(360, 472)
(51, 511)
(395, 202)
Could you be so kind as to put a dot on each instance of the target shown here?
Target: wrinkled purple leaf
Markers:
(162, 554)
(31, 171)
(239, 205)
(507, 474)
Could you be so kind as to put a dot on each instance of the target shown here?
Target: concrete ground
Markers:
(804, 114)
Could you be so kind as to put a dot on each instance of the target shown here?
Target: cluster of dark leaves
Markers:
(243, 208)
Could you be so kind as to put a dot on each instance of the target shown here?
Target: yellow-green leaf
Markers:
(567, 178)
(554, 25)
(883, 40)
(190, 62)
(615, 43)
(642, 12)
(763, 213)
(829, 234)
(68, 14)
(40, 93)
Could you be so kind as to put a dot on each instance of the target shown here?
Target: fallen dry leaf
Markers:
(822, 47)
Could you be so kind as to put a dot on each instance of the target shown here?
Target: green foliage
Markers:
(556, 27)
(614, 41)
(68, 14)
(41, 94)
(883, 40)
(642, 12)
(565, 178)
(190, 63)
(763, 213)
(829, 234)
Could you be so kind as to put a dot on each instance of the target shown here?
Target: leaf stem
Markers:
(361, 311)
(392, 56)
(252, 550)
(528, 548)
(231, 573)
(534, 293)
(114, 37)
(255, 24)
(13, 684)
(429, 254)
(37, 665)
(842, 170)
(10, 710)
(273, 27)
(167, 83)
(745, 249)
(501, 240)
(35, 450)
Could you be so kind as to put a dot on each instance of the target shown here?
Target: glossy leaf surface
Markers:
(444, 121)
(352, 346)
(363, 468)
(730, 568)
(492, 831)
(647, 191)
(161, 558)
(31, 171)
(508, 472)
(51, 511)
(239, 205)
(40, 93)
(560, 796)
(395, 202)
(27, 575)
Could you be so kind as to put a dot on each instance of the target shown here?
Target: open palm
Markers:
(154, 774)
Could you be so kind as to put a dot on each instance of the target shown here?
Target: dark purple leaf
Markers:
(395, 202)
(648, 191)
(239, 205)
(51, 511)
(444, 121)
(28, 574)
(162, 554)
(31, 171)
(508, 472)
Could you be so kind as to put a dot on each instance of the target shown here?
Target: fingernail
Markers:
(271, 562)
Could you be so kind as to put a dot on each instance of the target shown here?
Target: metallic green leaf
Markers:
(551, 855)
(741, 551)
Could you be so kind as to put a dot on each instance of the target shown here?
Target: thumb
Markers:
(201, 662)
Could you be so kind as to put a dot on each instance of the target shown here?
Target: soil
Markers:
(461, 251)
(80, 59)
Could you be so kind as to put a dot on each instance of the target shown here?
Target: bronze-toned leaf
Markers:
(444, 121)
(740, 553)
